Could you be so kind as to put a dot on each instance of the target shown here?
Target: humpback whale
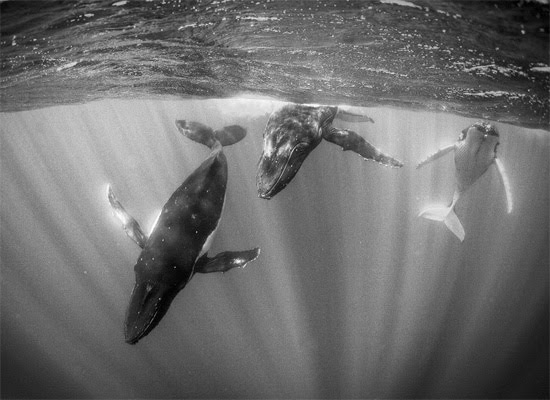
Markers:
(293, 131)
(475, 151)
(178, 244)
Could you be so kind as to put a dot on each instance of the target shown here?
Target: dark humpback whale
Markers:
(178, 244)
(293, 131)
(475, 151)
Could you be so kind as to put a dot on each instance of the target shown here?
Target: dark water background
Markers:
(353, 296)
(476, 58)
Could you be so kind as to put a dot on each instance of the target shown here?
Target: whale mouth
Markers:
(148, 304)
(279, 177)
(266, 196)
(273, 189)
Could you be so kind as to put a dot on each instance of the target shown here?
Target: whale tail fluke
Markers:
(446, 215)
(203, 134)
(230, 134)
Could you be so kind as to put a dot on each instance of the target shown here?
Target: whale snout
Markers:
(277, 170)
(264, 195)
(148, 304)
(270, 178)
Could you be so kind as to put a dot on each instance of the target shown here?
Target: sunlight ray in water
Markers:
(363, 279)
(351, 296)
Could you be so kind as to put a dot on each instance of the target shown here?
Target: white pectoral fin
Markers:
(439, 153)
(506, 183)
(227, 260)
(129, 224)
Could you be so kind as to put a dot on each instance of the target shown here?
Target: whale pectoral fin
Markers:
(506, 183)
(350, 140)
(130, 225)
(348, 116)
(436, 155)
(227, 260)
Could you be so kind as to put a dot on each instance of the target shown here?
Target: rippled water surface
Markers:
(483, 59)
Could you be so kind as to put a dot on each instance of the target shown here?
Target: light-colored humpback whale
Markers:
(475, 151)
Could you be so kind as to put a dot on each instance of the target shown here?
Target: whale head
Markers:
(484, 129)
(149, 302)
(475, 153)
(287, 143)
(482, 136)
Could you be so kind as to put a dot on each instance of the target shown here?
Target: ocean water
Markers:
(353, 295)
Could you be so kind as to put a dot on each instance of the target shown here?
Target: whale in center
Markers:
(293, 131)
(178, 245)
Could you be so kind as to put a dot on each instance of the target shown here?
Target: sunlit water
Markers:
(353, 295)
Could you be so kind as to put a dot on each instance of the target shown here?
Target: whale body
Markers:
(474, 152)
(177, 247)
(294, 131)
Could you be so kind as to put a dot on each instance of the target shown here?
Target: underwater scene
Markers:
(274, 199)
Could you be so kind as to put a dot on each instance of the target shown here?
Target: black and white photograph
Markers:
(274, 199)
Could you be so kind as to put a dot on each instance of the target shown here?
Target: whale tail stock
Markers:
(203, 134)
(446, 215)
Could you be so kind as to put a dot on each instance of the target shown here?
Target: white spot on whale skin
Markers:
(120, 3)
